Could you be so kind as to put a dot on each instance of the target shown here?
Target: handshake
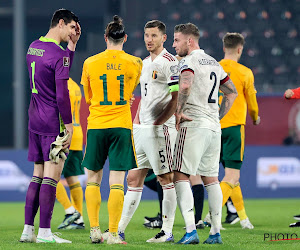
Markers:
(56, 147)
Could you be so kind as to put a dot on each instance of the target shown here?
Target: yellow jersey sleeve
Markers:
(250, 94)
(112, 76)
(75, 99)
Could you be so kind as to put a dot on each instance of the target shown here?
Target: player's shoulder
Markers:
(167, 58)
(243, 68)
(146, 59)
(133, 59)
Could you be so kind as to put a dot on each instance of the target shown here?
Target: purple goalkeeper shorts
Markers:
(39, 147)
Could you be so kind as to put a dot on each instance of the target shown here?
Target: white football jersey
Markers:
(202, 104)
(156, 77)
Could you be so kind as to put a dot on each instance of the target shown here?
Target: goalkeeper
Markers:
(48, 65)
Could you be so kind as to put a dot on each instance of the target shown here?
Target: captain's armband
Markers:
(174, 87)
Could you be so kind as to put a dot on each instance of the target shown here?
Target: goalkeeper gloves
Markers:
(56, 147)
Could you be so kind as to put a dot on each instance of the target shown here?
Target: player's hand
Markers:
(181, 118)
(136, 120)
(257, 121)
(69, 129)
(131, 100)
(74, 38)
(288, 93)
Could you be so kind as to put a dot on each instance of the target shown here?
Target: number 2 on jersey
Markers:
(106, 102)
(34, 90)
(210, 100)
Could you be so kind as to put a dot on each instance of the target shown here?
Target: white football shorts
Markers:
(197, 151)
(154, 146)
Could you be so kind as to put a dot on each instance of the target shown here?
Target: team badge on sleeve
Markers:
(66, 61)
(174, 69)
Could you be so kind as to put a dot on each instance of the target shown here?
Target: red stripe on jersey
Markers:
(170, 58)
(224, 80)
(169, 55)
(187, 70)
(167, 58)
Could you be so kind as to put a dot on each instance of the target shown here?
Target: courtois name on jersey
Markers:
(202, 104)
(156, 78)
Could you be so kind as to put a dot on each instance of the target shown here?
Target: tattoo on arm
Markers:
(228, 87)
(230, 93)
(185, 83)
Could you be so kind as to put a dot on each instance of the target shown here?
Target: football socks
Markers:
(76, 196)
(185, 202)
(115, 206)
(93, 202)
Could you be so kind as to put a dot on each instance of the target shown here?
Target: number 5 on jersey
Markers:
(106, 102)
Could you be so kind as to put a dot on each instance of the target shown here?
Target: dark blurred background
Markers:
(271, 29)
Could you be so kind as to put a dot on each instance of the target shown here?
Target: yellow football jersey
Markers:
(111, 77)
(243, 79)
(75, 99)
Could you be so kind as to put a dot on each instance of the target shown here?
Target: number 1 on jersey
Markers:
(104, 79)
(34, 90)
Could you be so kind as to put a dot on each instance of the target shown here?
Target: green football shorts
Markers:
(73, 165)
(232, 146)
(114, 143)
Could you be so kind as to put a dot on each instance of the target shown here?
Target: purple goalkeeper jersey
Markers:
(48, 64)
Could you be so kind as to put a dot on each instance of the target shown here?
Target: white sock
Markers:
(44, 232)
(168, 207)
(28, 229)
(70, 210)
(80, 220)
(185, 202)
(131, 202)
(231, 207)
(215, 198)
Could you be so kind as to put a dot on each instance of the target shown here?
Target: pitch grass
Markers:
(268, 216)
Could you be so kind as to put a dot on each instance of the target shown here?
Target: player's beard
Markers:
(183, 53)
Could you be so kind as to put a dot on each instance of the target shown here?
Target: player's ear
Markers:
(164, 37)
(125, 38)
(105, 38)
(61, 22)
(189, 41)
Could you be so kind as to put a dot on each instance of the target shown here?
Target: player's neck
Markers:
(232, 57)
(114, 47)
(53, 34)
(192, 48)
(155, 53)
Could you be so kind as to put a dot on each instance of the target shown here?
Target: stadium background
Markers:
(272, 51)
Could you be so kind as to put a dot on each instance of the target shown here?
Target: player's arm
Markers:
(253, 108)
(87, 94)
(64, 107)
(185, 84)
(250, 95)
(230, 93)
(169, 110)
(85, 82)
(292, 93)
(137, 115)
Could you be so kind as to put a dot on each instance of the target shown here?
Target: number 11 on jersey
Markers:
(106, 102)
